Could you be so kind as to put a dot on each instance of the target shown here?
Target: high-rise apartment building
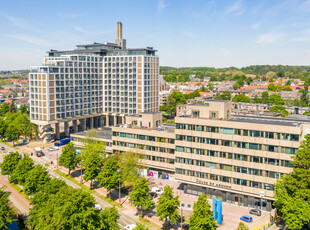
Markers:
(94, 85)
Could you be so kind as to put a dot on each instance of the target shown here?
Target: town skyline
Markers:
(214, 34)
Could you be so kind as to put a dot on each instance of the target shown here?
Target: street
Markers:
(125, 218)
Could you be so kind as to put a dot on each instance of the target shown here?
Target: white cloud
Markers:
(31, 39)
(236, 9)
(255, 26)
(161, 5)
(269, 38)
(305, 37)
(19, 22)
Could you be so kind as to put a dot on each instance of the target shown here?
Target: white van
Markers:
(158, 191)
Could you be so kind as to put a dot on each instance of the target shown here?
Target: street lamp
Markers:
(262, 194)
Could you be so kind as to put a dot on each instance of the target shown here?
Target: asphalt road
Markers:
(126, 216)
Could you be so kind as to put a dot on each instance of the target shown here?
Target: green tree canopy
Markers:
(202, 217)
(67, 209)
(167, 206)
(140, 227)
(272, 87)
(279, 109)
(5, 108)
(69, 159)
(9, 163)
(36, 178)
(241, 98)
(265, 97)
(110, 217)
(174, 99)
(140, 196)
(22, 169)
(6, 213)
(109, 177)
(276, 99)
(304, 98)
(292, 192)
(12, 107)
(92, 163)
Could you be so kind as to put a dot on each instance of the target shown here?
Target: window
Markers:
(212, 153)
(200, 151)
(211, 165)
(180, 126)
(274, 175)
(180, 160)
(200, 163)
(254, 133)
(227, 131)
(189, 161)
(256, 159)
(271, 161)
(200, 175)
(190, 138)
(179, 137)
(269, 135)
(255, 184)
(286, 164)
(240, 169)
(226, 143)
(241, 157)
(225, 179)
(189, 150)
(190, 173)
(213, 177)
(243, 145)
(237, 131)
(212, 129)
(200, 128)
(255, 146)
(240, 182)
(179, 149)
(179, 171)
(288, 150)
(256, 172)
(268, 187)
(271, 148)
(226, 167)
(191, 127)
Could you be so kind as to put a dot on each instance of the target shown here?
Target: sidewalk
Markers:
(20, 202)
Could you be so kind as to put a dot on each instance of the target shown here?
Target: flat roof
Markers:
(104, 133)
(270, 120)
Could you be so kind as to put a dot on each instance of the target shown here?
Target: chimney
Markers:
(119, 36)
(119, 31)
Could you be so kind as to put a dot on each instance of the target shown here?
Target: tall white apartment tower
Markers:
(94, 85)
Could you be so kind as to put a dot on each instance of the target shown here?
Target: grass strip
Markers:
(19, 190)
(149, 224)
(85, 187)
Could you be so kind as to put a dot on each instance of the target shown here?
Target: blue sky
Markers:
(185, 32)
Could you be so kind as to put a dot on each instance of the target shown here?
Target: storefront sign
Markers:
(212, 184)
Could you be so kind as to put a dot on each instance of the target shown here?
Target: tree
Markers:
(276, 99)
(129, 163)
(6, 211)
(9, 163)
(265, 97)
(210, 86)
(109, 177)
(92, 163)
(15, 95)
(241, 98)
(69, 158)
(272, 87)
(23, 109)
(304, 98)
(174, 99)
(292, 192)
(13, 132)
(22, 169)
(3, 128)
(257, 99)
(249, 80)
(140, 196)
(167, 206)
(12, 107)
(236, 86)
(69, 208)
(202, 217)
(226, 96)
(279, 109)
(4, 109)
(110, 217)
(242, 226)
(140, 227)
(36, 178)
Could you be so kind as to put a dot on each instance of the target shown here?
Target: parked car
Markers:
(53, 148)
(153, 195)
(2, 148)
(256, 212)
(158, 191)
(130, 227)
(246, 219)
(9, 152)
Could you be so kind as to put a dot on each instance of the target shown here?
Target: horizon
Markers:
(235, 33)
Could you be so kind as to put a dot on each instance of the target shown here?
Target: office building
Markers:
(94, 85)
